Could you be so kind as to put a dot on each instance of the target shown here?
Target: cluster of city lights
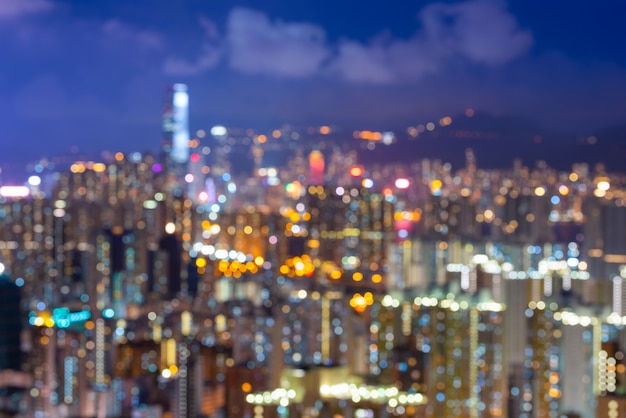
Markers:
(389, 395)
(360, 302)
(451, 304)
(299, 266)
(395, 228)
(279, 396)
(233, 268)
(573, 319)
(62, 318)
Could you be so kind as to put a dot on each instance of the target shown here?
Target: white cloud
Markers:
(360, 63)
(14, 9)
(255, 45)
(477, 31)
(383, 62)
(119, 30)
(258, 45)
(481, 31)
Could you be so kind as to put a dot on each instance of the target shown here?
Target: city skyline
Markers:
(91, 76)
(325, 284)
(312, 209)
(291, 273)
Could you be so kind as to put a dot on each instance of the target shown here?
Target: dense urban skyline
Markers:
(91, 75)
(309, 210)
(323, 286)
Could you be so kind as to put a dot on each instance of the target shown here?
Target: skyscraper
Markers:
(10, 325)
(12, 380)
(176, 124)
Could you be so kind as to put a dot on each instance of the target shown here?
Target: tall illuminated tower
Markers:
(176, 125)
(316, 168)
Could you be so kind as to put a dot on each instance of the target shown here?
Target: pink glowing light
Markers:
(14, 191)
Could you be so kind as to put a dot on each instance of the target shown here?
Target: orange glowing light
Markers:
(445, 121)
(324, 130)
(335, 274)
(554, 393)
(356, 171)
(119, 156)
(370, 136)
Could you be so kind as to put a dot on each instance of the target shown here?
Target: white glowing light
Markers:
(34, 180)
(368, 183)
(218, 130)
(181, 99)
(604, 185)
(402, 183)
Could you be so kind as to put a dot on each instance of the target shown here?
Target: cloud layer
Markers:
(257, 45)
(14, 9)
(479, 32)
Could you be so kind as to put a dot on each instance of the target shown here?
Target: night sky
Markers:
(90, 74)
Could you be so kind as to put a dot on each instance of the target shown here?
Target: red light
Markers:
(195, 157)
(387, 191)
(356, 171)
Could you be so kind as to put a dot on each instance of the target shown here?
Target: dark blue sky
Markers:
(91, 73)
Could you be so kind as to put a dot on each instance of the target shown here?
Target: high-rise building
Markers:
(350, 229)
(316, 168)
(10, 325)
(176, 124)
(12, 380)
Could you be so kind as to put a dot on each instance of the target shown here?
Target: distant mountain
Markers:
(498, 140)
(610, 148)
